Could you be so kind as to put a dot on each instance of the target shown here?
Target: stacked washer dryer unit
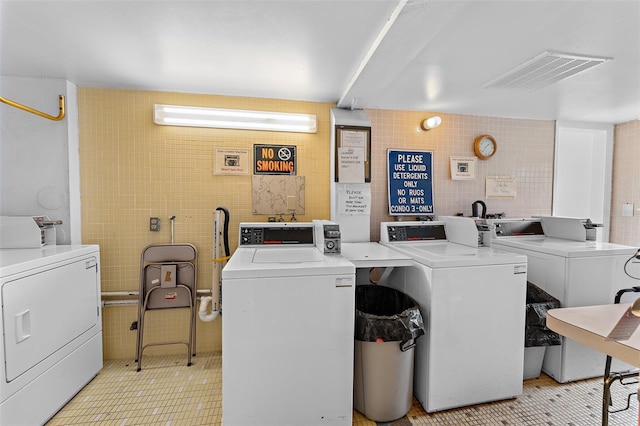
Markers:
(565, 262)
(473, 302)
(287, 329)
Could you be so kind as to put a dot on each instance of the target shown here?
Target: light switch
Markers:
(627, 209)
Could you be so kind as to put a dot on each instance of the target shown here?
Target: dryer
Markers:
(51, 323)
(473, 303)
(287, 329)
(567, 263)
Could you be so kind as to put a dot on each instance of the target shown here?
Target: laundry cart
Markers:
(167, 281)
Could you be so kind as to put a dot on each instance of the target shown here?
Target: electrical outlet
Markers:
(154, 224)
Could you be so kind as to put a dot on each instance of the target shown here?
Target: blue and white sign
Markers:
(410, 182)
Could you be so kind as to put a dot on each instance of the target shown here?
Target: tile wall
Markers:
(525, 150)
(132, 169)
(626, 184)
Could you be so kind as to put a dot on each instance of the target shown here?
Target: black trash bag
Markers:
(536, 331)
(388, 314)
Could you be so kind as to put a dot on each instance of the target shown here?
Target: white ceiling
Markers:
(420, 55)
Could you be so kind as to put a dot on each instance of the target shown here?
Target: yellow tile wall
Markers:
(132, 169)
(626, 183)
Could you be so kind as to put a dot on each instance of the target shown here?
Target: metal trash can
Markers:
(387, 324)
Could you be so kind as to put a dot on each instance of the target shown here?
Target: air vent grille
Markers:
(544, 70)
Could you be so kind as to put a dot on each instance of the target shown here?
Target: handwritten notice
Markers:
(354, 201)
(501, 186)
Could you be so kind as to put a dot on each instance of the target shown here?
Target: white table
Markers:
(590, 325)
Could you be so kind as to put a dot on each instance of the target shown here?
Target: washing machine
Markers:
(287, 328)
(473, 303)
(565, 260)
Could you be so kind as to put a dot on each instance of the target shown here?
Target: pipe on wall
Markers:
(131, 302)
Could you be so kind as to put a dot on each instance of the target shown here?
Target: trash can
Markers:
(537, 336)
(387, 324)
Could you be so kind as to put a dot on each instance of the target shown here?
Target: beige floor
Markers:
(167, 392)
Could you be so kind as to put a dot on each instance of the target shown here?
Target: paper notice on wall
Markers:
(501, 186)
(463, 168)
(354, 200)
(351, 164)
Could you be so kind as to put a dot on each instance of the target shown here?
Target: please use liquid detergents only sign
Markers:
(410, 182)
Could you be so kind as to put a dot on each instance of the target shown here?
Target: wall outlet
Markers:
(154, 224)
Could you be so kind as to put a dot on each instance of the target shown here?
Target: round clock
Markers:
(485, 146)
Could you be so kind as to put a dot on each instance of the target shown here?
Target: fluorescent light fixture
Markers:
(173, 115)
(431, 122)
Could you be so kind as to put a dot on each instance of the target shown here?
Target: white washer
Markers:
(473, 303)
(287, 330)
(575, 271)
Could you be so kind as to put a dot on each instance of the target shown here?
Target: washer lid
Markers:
(564, 248)
(448, 255)
(249, 262)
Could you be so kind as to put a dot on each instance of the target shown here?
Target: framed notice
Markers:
(410, 178)
(231, 161)
(463, 168)
(353, 154)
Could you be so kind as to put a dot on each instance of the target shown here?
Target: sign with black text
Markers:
(274, 160)
(410, 182)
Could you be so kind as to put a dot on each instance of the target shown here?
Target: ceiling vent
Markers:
(544, 70)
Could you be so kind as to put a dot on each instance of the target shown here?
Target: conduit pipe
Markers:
(15, 104)
(131, 302)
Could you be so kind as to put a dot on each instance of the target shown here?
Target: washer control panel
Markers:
(276, 234)
(328, 237)
(392, 232)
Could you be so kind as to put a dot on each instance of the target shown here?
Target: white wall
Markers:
(582, 172)
(39, 168)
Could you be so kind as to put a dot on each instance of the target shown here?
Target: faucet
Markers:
(474, 209)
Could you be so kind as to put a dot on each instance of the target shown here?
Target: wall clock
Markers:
(485, 146)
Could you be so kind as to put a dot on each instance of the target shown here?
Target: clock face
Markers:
(487, 147)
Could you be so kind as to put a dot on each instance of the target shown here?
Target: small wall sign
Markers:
(231, 161)
(274, 160)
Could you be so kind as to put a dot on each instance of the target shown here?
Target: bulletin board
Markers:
(353, 154)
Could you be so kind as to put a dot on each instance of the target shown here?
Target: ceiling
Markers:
(420, 55)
